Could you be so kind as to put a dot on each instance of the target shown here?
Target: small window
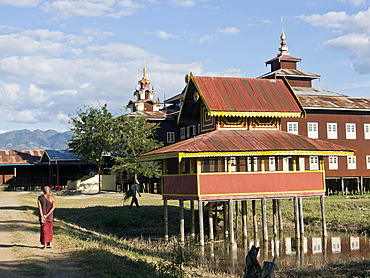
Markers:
(188, 130)
(335, 245)
(301, 162)
(313, 130)
(367, 131)
(351, 162)
(170, 137)
(286, 164)
(182, 133)
(233, 164)
(314, 163)
(332, 130)
(194, 130)
(333, 163)
(255, 164)
(350, 131)
(272, 163)
(368, 162)
(249, 164)
(292, 127)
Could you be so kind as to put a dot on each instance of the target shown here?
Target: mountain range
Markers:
(26, 139)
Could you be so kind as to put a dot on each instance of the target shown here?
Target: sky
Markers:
(57, 56)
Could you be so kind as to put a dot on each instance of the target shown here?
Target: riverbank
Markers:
(110, 240)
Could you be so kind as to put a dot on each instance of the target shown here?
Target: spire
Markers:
(283, 48)
(144, 72)
(144, 81)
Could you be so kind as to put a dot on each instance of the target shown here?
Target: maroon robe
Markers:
(46, 231)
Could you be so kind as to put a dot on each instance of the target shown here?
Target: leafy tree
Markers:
(135, 136)
(93, 131)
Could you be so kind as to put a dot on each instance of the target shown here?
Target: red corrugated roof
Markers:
(335, 102)
(249, 140)
(290, 73)
(247, 95)
(20, 157)
(284, 57)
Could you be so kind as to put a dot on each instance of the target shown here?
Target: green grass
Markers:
(113, 241)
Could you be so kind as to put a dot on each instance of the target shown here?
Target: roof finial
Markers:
(283, 48)
(144, 71)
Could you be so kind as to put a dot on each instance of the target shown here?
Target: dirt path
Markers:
(20, 250)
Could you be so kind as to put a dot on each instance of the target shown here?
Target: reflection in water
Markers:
(289, 252)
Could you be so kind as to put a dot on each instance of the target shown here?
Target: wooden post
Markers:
(210, 221)
(301, 222)
(182, 221)
(201, 224)
(280, 215)
(244, 219)
(192, 219)
(236, 219)
(226, 219)
(324, 232)
(274, 218)
(255, 227)
(215, 209)
(231, 221)
(264, 219)
(342, 183)
(296, 218)
(165, 220)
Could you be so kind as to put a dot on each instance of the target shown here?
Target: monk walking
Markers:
(46, 203)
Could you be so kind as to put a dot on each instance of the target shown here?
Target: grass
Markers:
(113, 241)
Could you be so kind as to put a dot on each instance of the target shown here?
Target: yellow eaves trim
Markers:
(256, 114)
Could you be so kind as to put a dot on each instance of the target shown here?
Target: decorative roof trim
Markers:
(256, 114)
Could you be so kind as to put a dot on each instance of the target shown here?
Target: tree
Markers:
(134, 136)
(93, 131)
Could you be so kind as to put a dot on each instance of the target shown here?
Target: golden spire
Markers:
(144, 72)
(283, 48)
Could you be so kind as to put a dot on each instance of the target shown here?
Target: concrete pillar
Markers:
(342, 183)
(231, 221)
(274, 218)
(165, 219)
(192, 219)
(301, 222)
(182, 221)
(244, 219)
(280, 215)
(255, 226)
(236, 219)
(226, 219)
(362, 185)
(296, 218)
(210, 221)
(201, 224)
(264, 219)
(324, 231)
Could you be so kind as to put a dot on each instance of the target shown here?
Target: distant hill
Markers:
(34, 140)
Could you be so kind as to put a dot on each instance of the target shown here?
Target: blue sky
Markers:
(59, 55)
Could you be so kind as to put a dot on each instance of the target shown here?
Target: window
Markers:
(316, 245)
(188, 131)
(332, 130)
(333, 163)
(194, 130)
(314, 163)
(182, 133)
(285, 164)
(170, 137)
(335, 244)
(233, 164)
(255, 164)
(350, 131)
(301, 164)
(367, 131)
(368, 162)
(249, 164)
(272, 165)
(313, 130)
(292, 127)
(351, 162)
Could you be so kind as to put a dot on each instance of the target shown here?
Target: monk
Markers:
(46, 203)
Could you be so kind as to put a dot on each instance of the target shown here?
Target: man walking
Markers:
(134, 188)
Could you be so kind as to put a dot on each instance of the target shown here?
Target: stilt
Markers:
(236, 219)
(280, 215)
(264, 220)
(342, 183)
(362, 185)
(201, 224)
(210, 221)
(255, 227)
(231, 221)
(165, 220)
(301, 223)
(324, 232)
(226, 219)
(296, 218)
(274, 217)
(182, 221)
(244, 219)
(215, 210)
(192, 219)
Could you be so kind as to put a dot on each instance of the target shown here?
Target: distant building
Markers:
(330, 116)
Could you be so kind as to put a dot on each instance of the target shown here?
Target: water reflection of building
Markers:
(335, 245)
(354, 243)
(316, 245)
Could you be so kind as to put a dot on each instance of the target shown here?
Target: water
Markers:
(289, 252)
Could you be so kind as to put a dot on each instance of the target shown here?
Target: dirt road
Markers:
(20, 250)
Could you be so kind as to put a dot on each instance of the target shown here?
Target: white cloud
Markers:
(354, 2)
(232, 72)
(90, 8)
(164, 35)
(207, 38)
(228, 31)
(20, 3)
(354, 38)
(25, 116)
(183, 3)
